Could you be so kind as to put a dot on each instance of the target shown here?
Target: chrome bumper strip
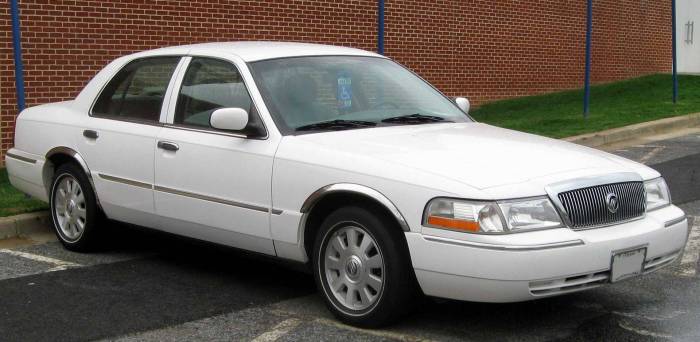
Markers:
(675, 221)
(516, 248)
(125, 181)
(20, 158)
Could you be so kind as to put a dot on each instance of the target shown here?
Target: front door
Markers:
(210, 184)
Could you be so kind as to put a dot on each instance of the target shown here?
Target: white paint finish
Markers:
(254, 51)
(27, 176)
(691, 255)
(688, 54)
(593, 256)
(221, 167)
(229, 119)
(478, 155)
(278, 330)
(215, 180)
(59, 265)
(124, 150)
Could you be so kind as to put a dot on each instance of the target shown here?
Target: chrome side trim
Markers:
(78, 158)
(20, 158)
(189, 194)
(675, 221)
(498, 247)
(125, 181)
(209, 131)
(357, 189)
(216, 200)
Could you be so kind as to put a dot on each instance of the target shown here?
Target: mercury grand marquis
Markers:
(347, 162)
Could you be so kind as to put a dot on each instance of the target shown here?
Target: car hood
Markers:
(474, 154)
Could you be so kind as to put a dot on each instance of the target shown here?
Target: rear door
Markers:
(210, 184)
(119, 139)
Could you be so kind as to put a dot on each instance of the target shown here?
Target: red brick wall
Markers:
(483, 49)
(488, 50)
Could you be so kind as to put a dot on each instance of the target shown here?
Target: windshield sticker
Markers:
(344, 95)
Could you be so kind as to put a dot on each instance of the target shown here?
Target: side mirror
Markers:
(229, 119)
(463, 104)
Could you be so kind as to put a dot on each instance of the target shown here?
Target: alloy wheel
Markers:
(70, 208)
(354, 267)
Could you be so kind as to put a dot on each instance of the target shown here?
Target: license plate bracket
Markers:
(627, 263)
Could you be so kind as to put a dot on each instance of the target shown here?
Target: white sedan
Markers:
(348, 162)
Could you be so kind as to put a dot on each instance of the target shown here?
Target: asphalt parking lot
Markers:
(153, 287)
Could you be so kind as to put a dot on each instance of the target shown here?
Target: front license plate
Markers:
(628, 263)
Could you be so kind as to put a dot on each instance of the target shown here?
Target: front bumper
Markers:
(525, 266)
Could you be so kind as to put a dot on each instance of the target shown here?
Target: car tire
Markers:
(362, 268)
(75, 215)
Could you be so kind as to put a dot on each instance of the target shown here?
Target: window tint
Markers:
(137, 91)
(300, 91)
(210, 84)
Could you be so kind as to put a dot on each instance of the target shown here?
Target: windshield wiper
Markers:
(414, 119)
(336, 125)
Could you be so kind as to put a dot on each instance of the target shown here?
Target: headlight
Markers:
(491, 217)
(658, 195)
(533, 213)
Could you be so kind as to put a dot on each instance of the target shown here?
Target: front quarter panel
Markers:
(301, 168)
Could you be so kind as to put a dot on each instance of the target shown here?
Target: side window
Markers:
(136, 92)
(210, 84)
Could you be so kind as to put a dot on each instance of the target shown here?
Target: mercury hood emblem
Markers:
(612, 203)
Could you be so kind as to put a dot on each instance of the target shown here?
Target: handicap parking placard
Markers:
(344, 95)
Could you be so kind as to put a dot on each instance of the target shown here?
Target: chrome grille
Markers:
(588, 208)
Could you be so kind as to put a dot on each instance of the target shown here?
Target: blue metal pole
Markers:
(380, 27)
(587, 86)
(17, 46)
(675, 53)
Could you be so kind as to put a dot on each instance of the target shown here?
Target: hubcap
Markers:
(354, 267)
(69, 208)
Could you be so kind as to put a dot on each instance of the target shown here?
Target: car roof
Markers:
(260, 50)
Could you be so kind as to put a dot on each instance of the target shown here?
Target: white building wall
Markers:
(688, 35)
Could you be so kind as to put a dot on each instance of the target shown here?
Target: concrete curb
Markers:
(636, 131)
(24, 224)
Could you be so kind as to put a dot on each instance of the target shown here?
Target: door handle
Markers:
(90, 134)
(168, 146)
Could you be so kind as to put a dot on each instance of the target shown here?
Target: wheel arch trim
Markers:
(80, 160)
(356, 189)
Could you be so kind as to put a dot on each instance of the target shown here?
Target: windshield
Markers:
(332, 92)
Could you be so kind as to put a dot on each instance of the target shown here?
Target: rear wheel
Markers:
(362, 268)
(74, 210)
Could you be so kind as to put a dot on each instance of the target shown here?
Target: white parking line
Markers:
(651, 154)
(689, 262)
(377, 333)
(640, 331)
(59, 265)
(278, 331)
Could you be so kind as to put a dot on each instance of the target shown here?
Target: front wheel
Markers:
(362, 268)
